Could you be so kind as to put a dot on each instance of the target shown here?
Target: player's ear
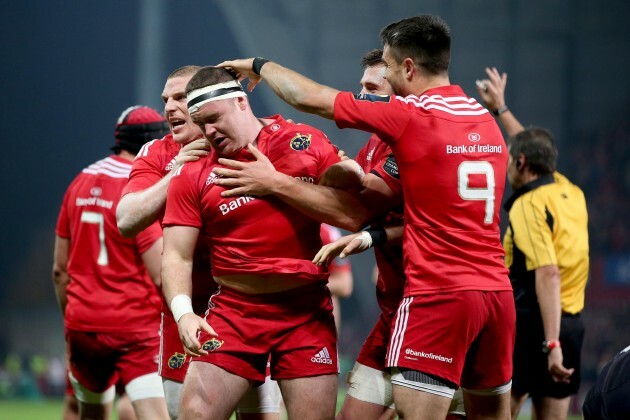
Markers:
(410, 67)
(520, 162)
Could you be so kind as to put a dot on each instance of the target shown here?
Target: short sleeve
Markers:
(532, 234)
(385, 116)
(387, 170)
(146, 238)
(147, 169)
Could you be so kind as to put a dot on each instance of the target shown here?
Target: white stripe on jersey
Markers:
(109, 167)
(399, 332)
(457, 105)
(144, 150)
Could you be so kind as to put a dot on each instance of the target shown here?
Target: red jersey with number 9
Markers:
(452, 162)
(109, 290)
(260, 235)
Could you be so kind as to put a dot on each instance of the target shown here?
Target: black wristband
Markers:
(379, 236)
(501, 110)
(258, 63)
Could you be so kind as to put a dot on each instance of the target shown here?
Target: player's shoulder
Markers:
(296, 136)
(111, 166)
(164, 146)
(449, 102)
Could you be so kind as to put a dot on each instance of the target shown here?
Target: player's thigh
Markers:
(211, 390)
(312, 397)
(551, 408)
(361, 410)
(487, 405)
(416, 404)
(264, 399)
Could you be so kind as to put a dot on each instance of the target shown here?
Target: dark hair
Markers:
(207, 76)
(425, 38)
(184, 71)
(372, 58)
(538, 147)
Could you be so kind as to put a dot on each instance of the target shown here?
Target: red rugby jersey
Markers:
(452, 162)
(151, 164)
(110, 290)
(249, 234)
(376, 157)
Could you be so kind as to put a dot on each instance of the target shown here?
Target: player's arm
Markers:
(358, 242)
(350, 211)
(152, 259)
(177, 263)
(492, 92)
(340, 283)
(548, 294)
(298, 91)
(60, 271)
(138, 210)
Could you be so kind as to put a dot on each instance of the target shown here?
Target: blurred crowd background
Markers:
(70, 68)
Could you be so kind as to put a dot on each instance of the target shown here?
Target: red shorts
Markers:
(99, 360)
(294, 330)
(466, 337)
(374, 349)
(173, 360)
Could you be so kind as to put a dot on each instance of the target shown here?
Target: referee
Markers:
(546, 247)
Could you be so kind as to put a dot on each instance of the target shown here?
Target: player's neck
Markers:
(126, 155)
(422, 84)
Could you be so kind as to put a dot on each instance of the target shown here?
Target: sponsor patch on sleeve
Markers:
(371, 97)
(391, 167)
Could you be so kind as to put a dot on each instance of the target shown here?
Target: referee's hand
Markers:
(556, 369)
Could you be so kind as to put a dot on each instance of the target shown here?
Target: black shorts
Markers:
(530, 363)
(608, 398)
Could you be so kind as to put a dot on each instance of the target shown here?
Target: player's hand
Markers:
(189, 325)
(194, 150)
(254, 178)
(243, 69)
(492, 90)
(329, 252)
(556, 369)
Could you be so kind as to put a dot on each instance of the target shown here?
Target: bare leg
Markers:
(488, 407)
(551, 408)
(362, 410)
(419, 405)
(516, 402)
(151, 408)
(124, 408)
(314, 397)
(70, 407)
(95, 411)
(211, 392)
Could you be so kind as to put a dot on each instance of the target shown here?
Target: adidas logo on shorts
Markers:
(322, 357)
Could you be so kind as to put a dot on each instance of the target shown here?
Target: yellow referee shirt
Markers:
(548, 226)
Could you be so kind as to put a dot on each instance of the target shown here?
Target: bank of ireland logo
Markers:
(176, 361)
(301, 142)
(96, 191)
(212, 345)
(474, 137)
